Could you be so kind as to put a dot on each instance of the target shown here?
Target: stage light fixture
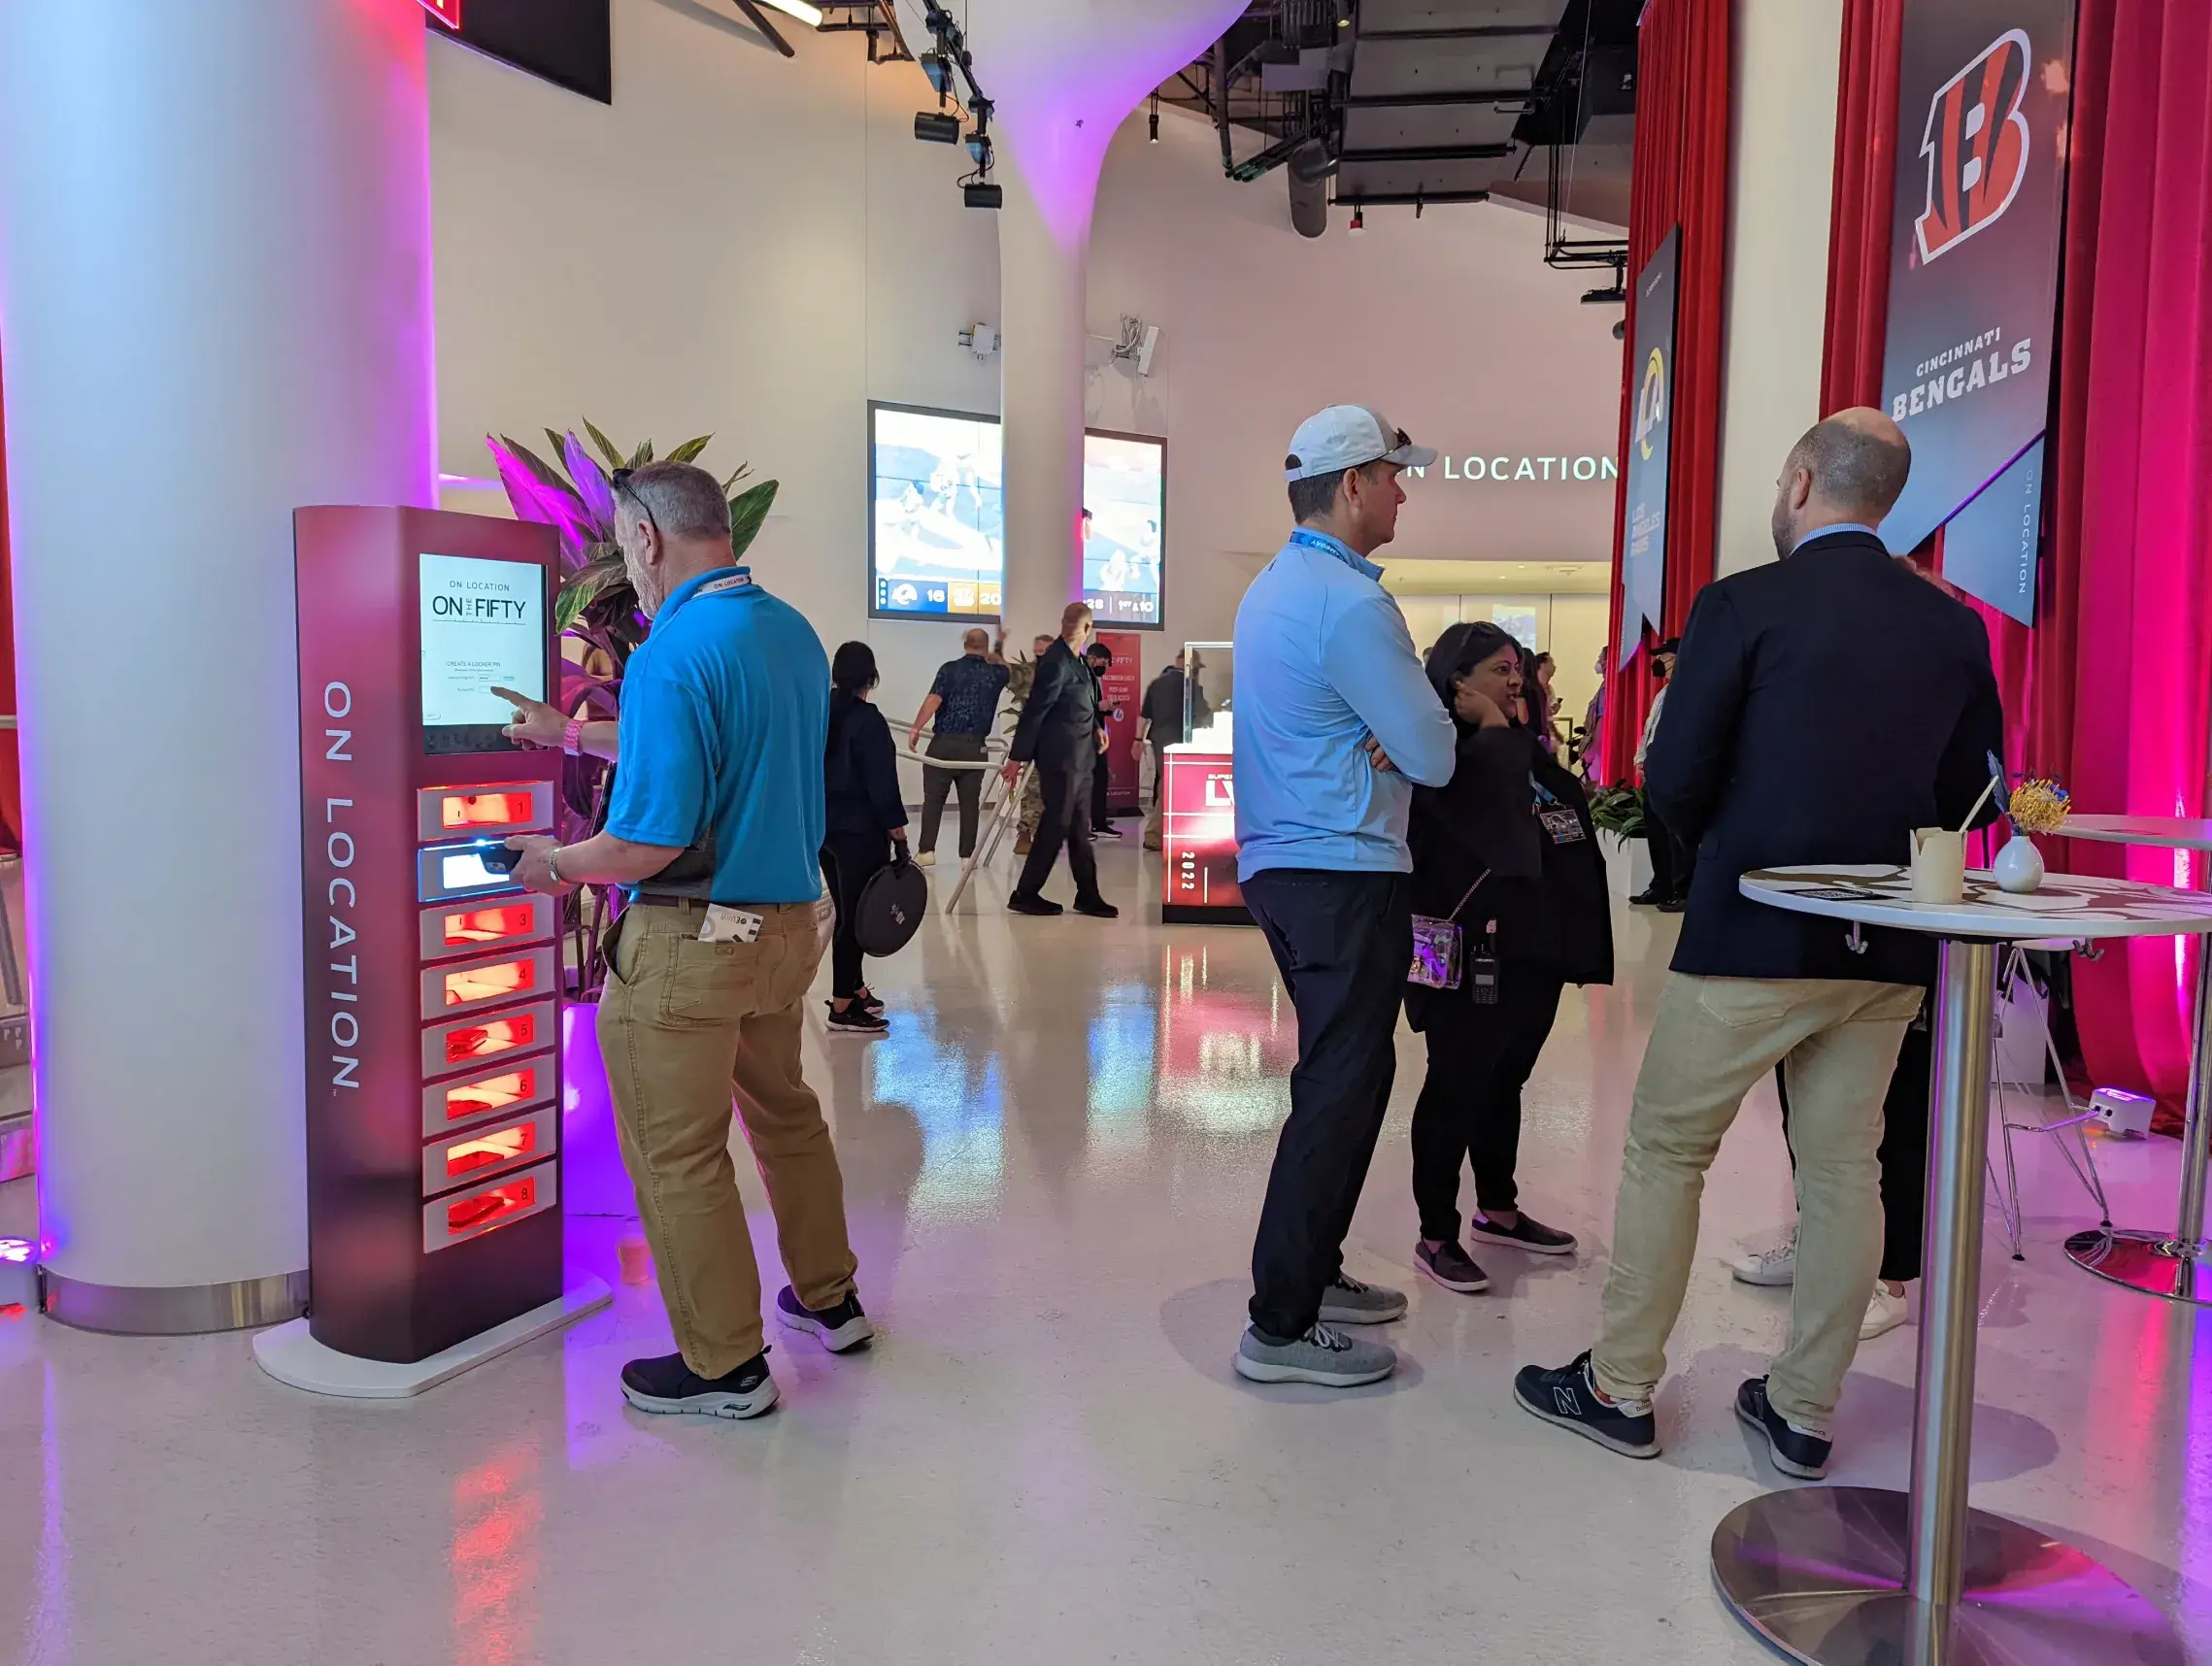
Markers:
(1155, 118)
(939, 70)
(983, 194)
(979, 150)
(1358, 221)
(932, 127)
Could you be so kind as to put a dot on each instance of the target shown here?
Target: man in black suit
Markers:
(1060, 732)
(1823, 709)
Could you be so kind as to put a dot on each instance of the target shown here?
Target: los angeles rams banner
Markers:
(1651, 372)
(1982, 111)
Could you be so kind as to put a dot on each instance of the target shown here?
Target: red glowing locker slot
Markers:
(475, 811)
(484, 1151)
(448, 989)
(503, 1089)
(471, 928)
(489, 1206)
(461, 1042)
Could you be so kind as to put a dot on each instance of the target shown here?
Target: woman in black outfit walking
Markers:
(1509, 846)
(866, 814)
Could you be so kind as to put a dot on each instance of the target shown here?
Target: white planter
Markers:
(1627, 863)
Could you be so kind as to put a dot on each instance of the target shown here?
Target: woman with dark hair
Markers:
(1506, 852)
(866, 814)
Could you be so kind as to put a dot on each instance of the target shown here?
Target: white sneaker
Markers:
(925, 858)
(1884, 1313)
(1769, 1267)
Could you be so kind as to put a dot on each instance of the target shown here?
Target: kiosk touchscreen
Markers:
(433, 979)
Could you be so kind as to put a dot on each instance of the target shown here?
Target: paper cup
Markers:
(1939, 865)
(635, 1260)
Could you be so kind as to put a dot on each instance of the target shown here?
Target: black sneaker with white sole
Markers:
(668, 1386)
(856, 1020)
(1451, 1266)
(1568, 1397)
(1794, 1452)
(1528, 1233)
(841, 1328)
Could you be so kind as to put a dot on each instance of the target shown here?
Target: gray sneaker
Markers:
(1350, 1302)
(1321, 1356)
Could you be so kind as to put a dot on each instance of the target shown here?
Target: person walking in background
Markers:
(716, 827)
(1336, 724)
(1160, 724)
(1672, 862)
(1506, 852)
(1593, 718)
(1781, 745)
(964, 703)
(1099, 659)
(867, 818)
(1543, 705)
(1059, 731)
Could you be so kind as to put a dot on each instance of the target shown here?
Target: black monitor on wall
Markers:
(569, 43)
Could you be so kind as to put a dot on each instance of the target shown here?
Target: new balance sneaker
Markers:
(1324, 1356)
(856, 1019)
(668, 1386)
(1022, 903)
(1570, 1398)
(1451, 1266)
(1350, 1302)
(1884, 1313)
(1793, 1451)
(1527, 1233)
(841, 1328)
(1769, 1267)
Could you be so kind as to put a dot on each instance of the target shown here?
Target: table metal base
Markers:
(2152, 1262)
(1819, 1572)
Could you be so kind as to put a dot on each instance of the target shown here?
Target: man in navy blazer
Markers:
(1823, 709)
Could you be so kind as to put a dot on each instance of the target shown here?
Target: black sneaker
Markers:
(1097, 908)
(1525, 1233)
(1675, 905)
(857, 1021)
(1107, 832)
(1568, 1397)
(1794, 1452)
(872, 1001)
(1021, 903)
(668, 1386)
(1452, 1267)
(842, 1328)
(1645, 898)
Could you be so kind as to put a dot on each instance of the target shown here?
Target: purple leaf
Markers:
(592, 485)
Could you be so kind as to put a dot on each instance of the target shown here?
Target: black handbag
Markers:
(891, 905)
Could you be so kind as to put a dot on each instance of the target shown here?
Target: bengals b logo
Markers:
(1976, 147)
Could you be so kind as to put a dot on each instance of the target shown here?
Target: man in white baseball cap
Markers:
(1335, 722)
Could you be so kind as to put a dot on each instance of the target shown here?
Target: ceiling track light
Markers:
(810, 16)
(935, 127)
(1154, 117)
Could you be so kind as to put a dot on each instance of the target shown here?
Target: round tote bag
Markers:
(891, 906)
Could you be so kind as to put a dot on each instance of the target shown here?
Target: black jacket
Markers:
(1546, 904)
(860, 770)
(1058, 728)
(1822, 709)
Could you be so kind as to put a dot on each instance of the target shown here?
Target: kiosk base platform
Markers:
(290, 1356)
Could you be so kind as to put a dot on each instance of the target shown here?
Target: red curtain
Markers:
(2109, 692)
(1681, 178)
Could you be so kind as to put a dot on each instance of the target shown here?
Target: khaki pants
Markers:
(684, 1025)
(1712, 1040)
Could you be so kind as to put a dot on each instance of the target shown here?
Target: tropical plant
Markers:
(596, 609)
(1617, 810)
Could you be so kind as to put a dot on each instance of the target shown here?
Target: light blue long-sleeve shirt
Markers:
(1323, 661)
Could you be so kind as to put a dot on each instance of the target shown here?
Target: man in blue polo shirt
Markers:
(716, 827)
(1335, 721)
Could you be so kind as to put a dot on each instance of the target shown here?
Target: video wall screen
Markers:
(1124, 528)
(937, 531)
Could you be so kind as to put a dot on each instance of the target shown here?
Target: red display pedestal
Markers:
(1199, 883)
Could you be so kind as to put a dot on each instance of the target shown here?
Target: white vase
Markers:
(2019, 866)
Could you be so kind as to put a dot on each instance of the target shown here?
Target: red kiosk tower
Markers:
(432, 981)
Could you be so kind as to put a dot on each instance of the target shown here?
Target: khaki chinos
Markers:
(1712, 1039)
(684, 1027)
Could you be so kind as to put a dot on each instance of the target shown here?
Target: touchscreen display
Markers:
(484, 627)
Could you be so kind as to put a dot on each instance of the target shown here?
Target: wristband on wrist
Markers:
(572, 738)
(553, 866)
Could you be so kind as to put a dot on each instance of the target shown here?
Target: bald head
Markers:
(1850, 468)
(977, 641)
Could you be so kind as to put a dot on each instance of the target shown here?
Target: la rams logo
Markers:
(1976, 147)
(1651, 402)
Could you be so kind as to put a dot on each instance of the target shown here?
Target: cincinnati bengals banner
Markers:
(1982, 109)
(1651, 372)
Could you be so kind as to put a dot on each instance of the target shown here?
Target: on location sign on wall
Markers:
(1982, 122)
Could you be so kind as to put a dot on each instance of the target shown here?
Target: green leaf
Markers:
(606, 446)
(688, 452)
(554, 440)
(747, 511)
(581, 591)
(735, 475)
(641, 457)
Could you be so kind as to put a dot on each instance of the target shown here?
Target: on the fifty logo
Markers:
(1976, 145)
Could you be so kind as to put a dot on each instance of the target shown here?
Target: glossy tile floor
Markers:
(1055, 1161)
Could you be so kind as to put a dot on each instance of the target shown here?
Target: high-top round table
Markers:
(1855, 1575)
(2178, 1264)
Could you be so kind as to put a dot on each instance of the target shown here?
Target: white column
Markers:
(1781, 152)
(214, 307)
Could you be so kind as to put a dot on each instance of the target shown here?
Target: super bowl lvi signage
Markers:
(1982, 125)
